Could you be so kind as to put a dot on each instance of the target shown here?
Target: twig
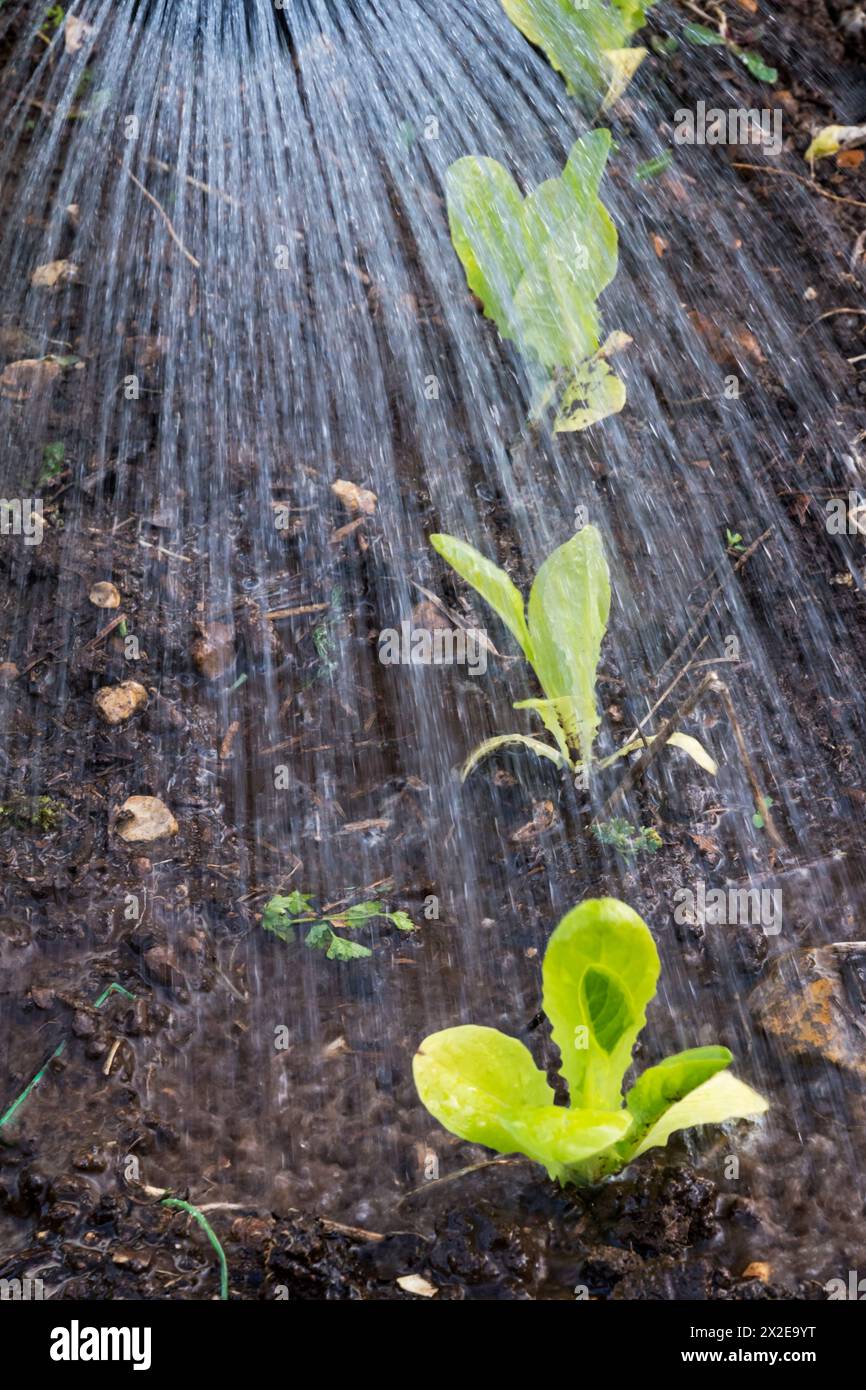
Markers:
(165, 217)
(724, 695)
(801, 178)
(637, 769)
(746, 555)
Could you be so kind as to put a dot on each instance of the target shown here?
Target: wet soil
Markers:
(113, 1110)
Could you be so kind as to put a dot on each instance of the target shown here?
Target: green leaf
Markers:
(485, 217)
(401, 920)
(572, 246)
(548, 712)
(538, 265)
(757, 67)
(478, 1083)
(575, 40)
(564, 1139)
(661, 1086)
(721, 1098)
(704, 37)
(279, 912)
(491, 582)
(543, 750)
(359, 914)
(651, 168)
(600, 972)
(340, 948)
(569, 605)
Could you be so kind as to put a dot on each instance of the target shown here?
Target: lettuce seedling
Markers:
(587, 43)
(283, 913)
(560, 636)
(538, 264)
(600, 972)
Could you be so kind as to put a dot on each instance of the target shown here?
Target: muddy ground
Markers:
(72, 1208)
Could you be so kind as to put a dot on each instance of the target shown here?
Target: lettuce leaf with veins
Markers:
(588, 45)
(538, 264)
(600, 972)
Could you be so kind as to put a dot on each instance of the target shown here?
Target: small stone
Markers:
(145, 818)
(354, 498)
(54, 273)
(8, 673)
(105, 595)
(142, 865)
(758, 1269)
(213, 651)
(117, 703)
(127, 1258)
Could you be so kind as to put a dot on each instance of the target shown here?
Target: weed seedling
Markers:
(283, 914)
(627, 839)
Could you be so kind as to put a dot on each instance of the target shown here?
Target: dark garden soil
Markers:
(72, 1208)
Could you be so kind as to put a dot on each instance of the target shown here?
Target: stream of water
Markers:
(267, 301)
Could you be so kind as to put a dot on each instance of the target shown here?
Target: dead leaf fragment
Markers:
(354, 498)
(145, 818)
(75, 31)
(660, 245)
(52, 274)
(413, 1283)
(22, 380)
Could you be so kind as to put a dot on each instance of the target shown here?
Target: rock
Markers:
(52, 274)
(213, 651)
(758, 1269)
(354, 498)
(8, 673)
(145, 818)
(22, 380)
(117, 703)
(105, 595)
(813, 1002)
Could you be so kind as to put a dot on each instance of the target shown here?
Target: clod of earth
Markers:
(812, 1001)
(117, 703)
(105, 595)
(54, 274)
(144, 818)
(213, 651)
(8, 673)
(21, 380)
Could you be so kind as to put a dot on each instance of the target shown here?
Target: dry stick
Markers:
(724, 695)
(165, 217)
(637, 730)
(637, 769)
(810, 183)
(747, 555)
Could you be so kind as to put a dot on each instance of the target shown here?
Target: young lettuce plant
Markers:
(600, 972)
(560, 635)
(587, 43)
(538, 264)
